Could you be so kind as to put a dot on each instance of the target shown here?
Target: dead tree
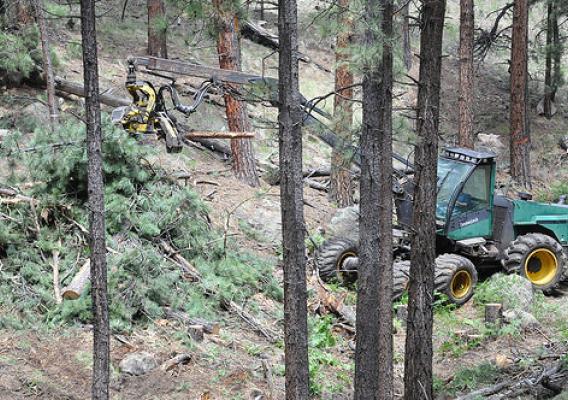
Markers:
(341, 182)
(291, 194)
(466, 133)
(520, 135)
(229, 50)
(47, 65)
(374, 351)
(418, 355)
(101, 350)
(157, 29)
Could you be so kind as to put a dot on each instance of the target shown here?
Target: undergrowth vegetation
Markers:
(143, 207)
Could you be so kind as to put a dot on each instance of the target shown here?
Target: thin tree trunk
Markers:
(341, 182)
(520, 136)
(548, 67)
(48, 68)
(466, 132)
(228, 47)
(373, 356)
(418, 355)
(291, 194)
(406, 44)
(558, 50)
(97, 245)
(157, 33)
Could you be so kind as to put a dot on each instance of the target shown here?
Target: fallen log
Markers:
(193, 135)
(212, 328)
(316, 185)
(268, 333)
(185, 265)
(15, 197)
(182, 359)
(75, 288)
(61, 85)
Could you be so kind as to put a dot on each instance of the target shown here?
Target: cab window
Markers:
(475, 195)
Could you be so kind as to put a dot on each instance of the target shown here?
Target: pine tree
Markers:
(97, 245)
(157, 32)
(418, 353)
(291, 194)
(520, 135)
(467, 25)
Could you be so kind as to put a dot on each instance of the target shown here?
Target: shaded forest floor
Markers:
(238, 363)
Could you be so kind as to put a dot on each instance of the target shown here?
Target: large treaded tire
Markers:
(330, 258)
(456, 277)
(400, 278)
(535, 251)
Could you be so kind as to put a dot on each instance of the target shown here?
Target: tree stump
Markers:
(493, 315)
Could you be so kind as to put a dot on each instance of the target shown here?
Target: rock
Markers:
(563, 143)
(525, 319)
(138, 363)
(502, 361)
(37, 113)
(262, 218)
(490, 142)
(513, 291)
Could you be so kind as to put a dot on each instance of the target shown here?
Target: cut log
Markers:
(493, 315)
(180, 359)
(218, 135)
(78, 90)
(196, 332)
(316, 185)
(75, 288)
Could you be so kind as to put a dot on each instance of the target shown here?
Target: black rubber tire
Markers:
(329, 260)
(400, 278)
(450, 267)
(524, 246)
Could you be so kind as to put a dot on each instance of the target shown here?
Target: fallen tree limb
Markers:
(332, 303)
(55, 267)
(316, 185)
(193, 135)
(185, 265)
(268, 333)
(15, 197)
(182, 358)
(212, 328)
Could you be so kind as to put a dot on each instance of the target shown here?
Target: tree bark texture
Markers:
(548, 84)
(558, 51)
(406, 44)
(418, 356)
(341, 182)
(228, 47)
(47, 65)
(157, 35)
(466, 98)
(520, 135)
(291, 194)
(101, 349)
(373, 356)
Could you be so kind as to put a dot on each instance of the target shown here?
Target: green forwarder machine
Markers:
(476, 229)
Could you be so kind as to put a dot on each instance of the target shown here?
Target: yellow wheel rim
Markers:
(461, 284)
(541, 267)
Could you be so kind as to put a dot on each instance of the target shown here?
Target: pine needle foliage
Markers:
(143, 207)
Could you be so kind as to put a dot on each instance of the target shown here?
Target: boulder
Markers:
(513, 291)
(525, 319)
(345, 222)
(138, 363)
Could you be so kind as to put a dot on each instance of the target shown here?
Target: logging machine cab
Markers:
(465, 194)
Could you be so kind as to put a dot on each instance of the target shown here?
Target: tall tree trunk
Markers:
(48, 68)
(229, 49)
(23, 12)
(548, 67)
(291, 195)
(373, 356)
(157, 32)
(341, 182)
(406, 45)
(466, 133)
(520, 135)
(418, 355)
(558, 50)
(97, 245)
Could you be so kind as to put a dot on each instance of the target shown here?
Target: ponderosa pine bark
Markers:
(558, 51)
(97, 245)
(548, 83)
(341, 188)
(47, 65)
(157, 34)
(291, 198)
(520, 135)
(406, 45)
(418, 355)
(229, 50)
(374, 351)
(466, 132)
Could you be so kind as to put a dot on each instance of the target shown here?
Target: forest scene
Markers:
(283, 199)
